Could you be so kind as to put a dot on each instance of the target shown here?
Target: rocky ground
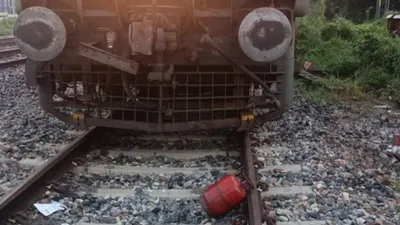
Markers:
(139, 209)
(343, 153)
(26, 132)
(342, 150)
(164, 161)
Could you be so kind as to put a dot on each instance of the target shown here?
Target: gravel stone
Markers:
(341, 149)
(139, 209)
(26, 127)
(342, 152)
(162, 161)
(11, 174)
(27, 132)
(85, 182)
(129, 140)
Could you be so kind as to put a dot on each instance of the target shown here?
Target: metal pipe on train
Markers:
(137, 60)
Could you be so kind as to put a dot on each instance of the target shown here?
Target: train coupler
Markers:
(78, 119)
(247, 122)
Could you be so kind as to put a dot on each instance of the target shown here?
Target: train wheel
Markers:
(301, 8)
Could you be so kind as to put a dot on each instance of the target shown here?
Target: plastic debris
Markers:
(49, 208)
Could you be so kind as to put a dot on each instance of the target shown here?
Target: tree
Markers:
(356, 10)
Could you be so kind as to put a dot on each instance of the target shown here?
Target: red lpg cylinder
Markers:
(225, 194)
(396, 140)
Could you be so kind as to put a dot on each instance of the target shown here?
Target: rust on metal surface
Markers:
(11, 62)
(396, 140)
(141, 37)
(25, 194)
(182, 83)
(79, 120)
(31, 67)
(221, 97)
(108, 58)
(393, 24)
(117, 6)
(266, 89)
(247, 122)
(253, 197)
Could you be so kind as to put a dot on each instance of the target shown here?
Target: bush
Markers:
(7, 25)
(366, 53)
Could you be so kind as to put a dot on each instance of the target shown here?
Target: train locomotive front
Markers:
(160, 65)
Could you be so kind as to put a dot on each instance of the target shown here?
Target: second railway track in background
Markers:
(6, 40)
(9, 52)
(150, 170)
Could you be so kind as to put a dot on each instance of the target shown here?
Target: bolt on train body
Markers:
(160, 65)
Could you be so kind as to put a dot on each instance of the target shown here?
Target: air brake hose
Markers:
(132, 96)
(208, 40)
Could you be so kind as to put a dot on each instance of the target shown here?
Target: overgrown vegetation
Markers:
(365, 54)
(6, 25)
(397, 186)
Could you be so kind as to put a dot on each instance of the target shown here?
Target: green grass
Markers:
(331, 90)
(366, 53)
(396, 186)
(7, 25)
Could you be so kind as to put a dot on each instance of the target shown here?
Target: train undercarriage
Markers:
(160, 65)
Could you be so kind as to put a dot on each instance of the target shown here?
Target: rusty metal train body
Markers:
(393, 24)
(160, 65)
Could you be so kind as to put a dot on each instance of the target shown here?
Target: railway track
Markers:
(9, 53)
(149, 172)
(6, 40)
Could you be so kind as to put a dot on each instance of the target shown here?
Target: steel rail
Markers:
(24, 195)
(14, 49)
(11, 62)
(4, 37)
(6, 40)
(10, 52)
(253, 197)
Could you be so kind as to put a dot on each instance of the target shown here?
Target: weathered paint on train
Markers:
(393, 24)
(160, 65)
